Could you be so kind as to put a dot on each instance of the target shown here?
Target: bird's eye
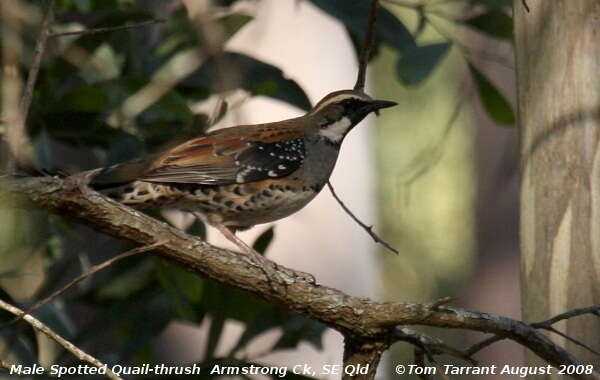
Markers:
(350, 102)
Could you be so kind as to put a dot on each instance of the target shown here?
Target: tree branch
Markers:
(369, 229)
(359, 319)
(366, 51)
(363, 354)
(18, 141)
(80, 354)
(108, 29)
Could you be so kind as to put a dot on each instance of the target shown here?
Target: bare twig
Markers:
(571, 339)
(369, 229)
(83, 276)
(404, 334)
(547, 325)
(525, 5)
(435, 305)
(420, 361)
(366, 51)
(5, 365)
(569, 314)
(430, 345)
(483, 344)
(40, 48)
(18, 142)
(107, 29)
(79, 353)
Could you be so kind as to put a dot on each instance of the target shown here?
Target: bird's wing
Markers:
(233, 155)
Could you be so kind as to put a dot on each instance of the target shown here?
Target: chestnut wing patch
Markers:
(223, 164)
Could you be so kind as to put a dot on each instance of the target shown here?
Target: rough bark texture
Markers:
(558, 71)
(360, 319)
(361, 358)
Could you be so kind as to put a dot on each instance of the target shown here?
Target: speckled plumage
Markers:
(245, 175)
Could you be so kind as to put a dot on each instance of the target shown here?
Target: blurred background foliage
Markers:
(88, 111)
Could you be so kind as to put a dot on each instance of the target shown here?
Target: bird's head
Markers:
(337, 113)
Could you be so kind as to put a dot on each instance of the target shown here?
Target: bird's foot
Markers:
(267, 266)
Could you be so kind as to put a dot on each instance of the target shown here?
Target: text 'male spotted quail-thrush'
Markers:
(237, 177)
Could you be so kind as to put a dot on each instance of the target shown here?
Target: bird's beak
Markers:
(376, 105)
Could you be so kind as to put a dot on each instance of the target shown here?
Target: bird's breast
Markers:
(321, 157)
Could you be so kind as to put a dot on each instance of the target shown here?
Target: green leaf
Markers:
(264, 240)
(259, 78)
(43, 152)
(171, 107)
(239, 305)
(494, 23)
(495, 104)
(183, 289)
(233, 23)
(131, 280)
(263, 321)
(354, 14)
(418, 63)
(298, 329)
(18, 347)
(22, 342)
(87, 98)
(139, 330)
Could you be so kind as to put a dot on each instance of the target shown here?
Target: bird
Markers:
(235, 178)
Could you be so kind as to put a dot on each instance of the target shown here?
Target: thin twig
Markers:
(19, 144)
(567, 315)
(420, 361)
(5, 365)
(405, 334)
(366, 51)
(79, 353)
(369, 229)
(435, 305)
(525, 5)
(545, 325)
(40, 47)
(83, 276)
(108, 29)
(573, 340)
(483, 344)
(430, 345)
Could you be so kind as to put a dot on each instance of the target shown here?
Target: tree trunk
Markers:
(557, 46)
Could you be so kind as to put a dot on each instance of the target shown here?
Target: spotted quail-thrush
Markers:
(235, 178)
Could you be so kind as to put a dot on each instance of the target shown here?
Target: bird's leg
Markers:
(266, 265)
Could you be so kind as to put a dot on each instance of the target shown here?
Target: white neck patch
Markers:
(335, 131)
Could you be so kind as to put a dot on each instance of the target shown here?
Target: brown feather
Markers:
(211, 159)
